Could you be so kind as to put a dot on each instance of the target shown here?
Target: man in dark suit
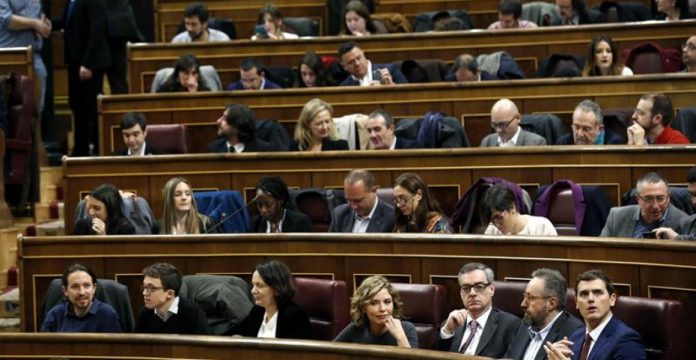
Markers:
(588, 127)
(603, 337)
(134, 131)
(478, 329)
(252, 76)
(380, 127)
(272, 199)
(363, 72)
(364, 212)
(575, 12)
(121, 28)
(544, 314)
(237, 132)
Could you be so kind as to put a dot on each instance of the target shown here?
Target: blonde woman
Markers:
(180, 214)
(315, 130)
(375, 310)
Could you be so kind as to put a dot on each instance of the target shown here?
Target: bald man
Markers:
(689, 55)
(505, 121)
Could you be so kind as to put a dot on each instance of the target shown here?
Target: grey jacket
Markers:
(526, 138)
(622, 220)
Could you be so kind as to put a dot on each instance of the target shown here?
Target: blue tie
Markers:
(71, 7)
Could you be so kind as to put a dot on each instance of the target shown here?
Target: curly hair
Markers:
(365, 292)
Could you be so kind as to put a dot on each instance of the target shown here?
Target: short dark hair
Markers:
(133, 118)
(554, 285)
(498, 198)
(243, 120)
(77, 267)
(661, 105)
(691, 176)
(467, 268)
(251, 63)
(346, 47)
(361, 175)
(167, 273)
(276, 187)
(277, 275)
(270, 9)
(507, 7)
(595, 274)
(197, 9)
(650, 178)
(388, 120)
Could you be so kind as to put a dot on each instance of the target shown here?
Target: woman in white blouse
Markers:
(504, 219)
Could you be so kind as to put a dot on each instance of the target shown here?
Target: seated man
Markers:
(651, 120)
(588, 127)
(575, 12)
(380, 127)
(603, 336)
(505, 121)
(134, 131)
(509, 12)
(80, 311)
(165, 312)
(689, 55)
(687, 227)
(653, 211)
(272, 199)
(364, 212)
(196, 21)
(466, 69)
(252, 77)
(237, 132)
(363, 72)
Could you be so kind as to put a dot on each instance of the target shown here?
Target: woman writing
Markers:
(416, 208)
(499, 210)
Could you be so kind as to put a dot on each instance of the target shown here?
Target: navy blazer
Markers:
(293, 323)
(497, 335)
(326, 145)
(149, 150)
(268, 85)
(396, 74)
(617, 341)
(220, 146)
(565, 325)
(294, 222)
(610, 138)
(382, 220)
(403, 143)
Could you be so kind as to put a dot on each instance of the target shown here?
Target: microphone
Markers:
(229, 216)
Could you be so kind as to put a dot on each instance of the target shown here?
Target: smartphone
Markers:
(261, 30)
(376, 75)
(649, 235)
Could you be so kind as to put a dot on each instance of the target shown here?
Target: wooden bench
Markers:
(527, 46)
(17, 59)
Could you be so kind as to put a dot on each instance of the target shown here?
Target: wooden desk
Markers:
(470, 102)
(17, 59)
(141, 346)
(527, 46)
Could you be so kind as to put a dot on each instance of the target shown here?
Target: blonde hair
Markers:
(303, 130)
(365, 292)
(169, 209)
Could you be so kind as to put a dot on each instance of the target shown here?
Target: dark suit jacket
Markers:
(149, 150)
(403, 143)
(498, 334)
(326, 145)
(397, 76)
(267, 86)
(565, 325)
(610, 138)
(293, 323)
(622, 220)
(382, 220)
(591, 16)
(294, 222)
(617, 341)
(120, 21)
(86, 41)
(258, 145)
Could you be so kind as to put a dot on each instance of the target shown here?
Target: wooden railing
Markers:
(17, 59)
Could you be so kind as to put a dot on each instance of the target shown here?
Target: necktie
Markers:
(71, 7)
(586, 347)
(473, 326)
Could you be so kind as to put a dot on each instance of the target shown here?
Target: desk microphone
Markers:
(227, 217)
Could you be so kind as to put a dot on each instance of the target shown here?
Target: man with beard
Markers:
(689, 55)
(272, 200)
(237, 132)
(196, 22)
(588, 127)
(479, 328)
(365, 73)
(544, 314)
(80, 311)
(651, 120)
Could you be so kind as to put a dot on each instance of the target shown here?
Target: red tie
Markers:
(472, 327)
(586, 347)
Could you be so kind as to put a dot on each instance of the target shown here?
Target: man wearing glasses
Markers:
(651, 119)
(688, 225)
(544, 314)
(653, 211)
(689, 55)
(478, 329)
(505, 121)
(588, 127)
(165, 312)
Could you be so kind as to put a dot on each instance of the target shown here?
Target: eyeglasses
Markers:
(688, 46)
(654, 199)
(150, 289)
(529, 298)
(399, 201)
(502, 125)
(478, 287)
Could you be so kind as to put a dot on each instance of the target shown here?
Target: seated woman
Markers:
(672, 10)
(375, 310)
(416, 208)
(315, 130)
(180, 215)
(312, 72)
(274, 315)
(186, 77)
(357, 20)
(272, 200)
(603, 58)
(498, 208)
(105, 215)
(272, 20)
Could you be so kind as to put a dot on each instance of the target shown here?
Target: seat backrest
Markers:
(425, 305)
(562, 212)
(18, 135)
(326, 303)
(549, 126)
(224, 205)
(301, 26)
(226, 300)
(508, 296)
(425, 21)
(647, 63)
(313, 203)
(386, 195)
(617, 120)
(281, 75)
(169, 138)
(685, 121)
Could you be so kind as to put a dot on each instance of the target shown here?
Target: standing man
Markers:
(588, 127)
(380, 128)
(505, 121)
(544, 314)
(121, 29)
(651, 120)
(479, 328)
(364, 212)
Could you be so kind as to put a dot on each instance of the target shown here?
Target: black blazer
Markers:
(326, 145)
(257, 145)
(293, 323)
(396, 74)
(149, 150)
(382, 220)
(565, 325)
(610, 138)
(86, 41)
(403, 143)
(84, 227)
(498, 334)
(294, 222)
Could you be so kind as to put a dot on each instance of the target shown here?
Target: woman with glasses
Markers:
(498, 208)
(274, 314)
(180, 214)
(603, 58)
(416, 208)
(272, 200)
(375, 311)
